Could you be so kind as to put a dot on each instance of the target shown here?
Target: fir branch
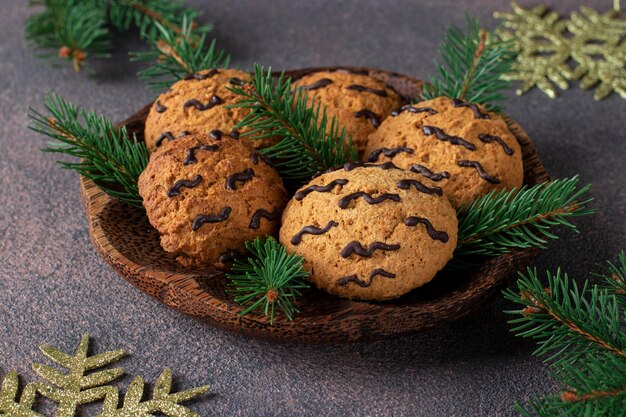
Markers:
(311, 142)
(473, 65)
(107, 155)
(269, 279)
(178, 53)
(581, 330)
(503, 221)
(69, 29)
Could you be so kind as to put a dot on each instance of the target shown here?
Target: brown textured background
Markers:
(53, 286)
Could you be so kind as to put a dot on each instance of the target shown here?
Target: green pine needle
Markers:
(473, 64)
(311, 142)
(582, 332)
(176, 54)
(107, 155)
(269, 279)
(69, 29)
(504, 221)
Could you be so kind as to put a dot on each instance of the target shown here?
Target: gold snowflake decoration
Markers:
(546, 44)
(78, 386)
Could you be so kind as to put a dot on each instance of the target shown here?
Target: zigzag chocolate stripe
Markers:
(432, 232)
(256, 156)
(229, 256)
(412, 109)
(208, 218)
(344, 202)
(215, 100)
(191, 153)
(406, 185)
(255, 220)
(218, 134)
(195, 76)
(312, 230)
(357, 248)
(175, 190)
(477, 113)
(441, 135)
(479, 168)
(425, 172)
(231, 180)
(323, 82)
(363, 89)
(165, 135)
(491, 138)
(373, 117)
(159, 107)
(388, 152)
(319, 188)
(364, 284)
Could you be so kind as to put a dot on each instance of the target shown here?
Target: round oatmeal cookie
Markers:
(206, 197)
(465, 149)
(370, 231)
(197, 104)
(359, 101)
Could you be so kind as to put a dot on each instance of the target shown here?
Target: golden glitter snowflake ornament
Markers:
(79, 386)
(546, 44)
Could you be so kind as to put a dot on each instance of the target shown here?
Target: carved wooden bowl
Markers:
(125, 239)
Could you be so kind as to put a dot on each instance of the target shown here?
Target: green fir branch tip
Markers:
(508, 220)
(581, 331)
(107, 156)
(474, 62)
(310, 141)
(269, 279)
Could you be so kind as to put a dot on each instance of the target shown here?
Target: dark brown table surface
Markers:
(54, 287)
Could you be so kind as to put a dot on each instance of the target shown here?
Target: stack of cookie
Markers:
(370, 230)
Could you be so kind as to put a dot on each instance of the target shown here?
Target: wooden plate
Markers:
(125, 239)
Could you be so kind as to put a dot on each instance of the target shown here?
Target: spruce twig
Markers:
(503, 221)
(310, 141)
(473, 64)
(582, 332)
(269, 279)
(107, 155)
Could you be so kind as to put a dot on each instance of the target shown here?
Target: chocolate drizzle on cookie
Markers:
(364, 89)
(256, 156)
(406, 185)
(479, 168)
(229, 256)
(191, 153)
(208, 218)
(441, 135)
(175, 190)
(255, 220)
(425, 172)
(344, 202)
(492, 138)
(432, 232)
(159, 107)
(364, 284)
(214, 101)
(349, 166)
(373, 117)
(477, 113)
(218, 134)
(319, 188)
(388, 152)
(323, 82)
(412, 109)
(312, 230)
(183, 134)
(165, 135)
(231, 180)
(236, 81)
(196, 76)
(357, 248)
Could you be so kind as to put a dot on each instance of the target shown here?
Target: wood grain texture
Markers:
(125, 240)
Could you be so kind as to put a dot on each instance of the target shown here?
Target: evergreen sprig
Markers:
(178, 53)
(310, 141)
(107, 155)
(473, 64)
(582, 332)
(503, 221)
(268, 279)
